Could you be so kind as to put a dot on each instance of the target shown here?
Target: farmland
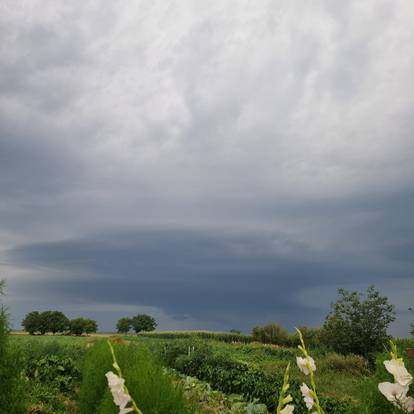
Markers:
(188, 373)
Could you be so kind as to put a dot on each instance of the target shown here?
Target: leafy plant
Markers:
(358, 323)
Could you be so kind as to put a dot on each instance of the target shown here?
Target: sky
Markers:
(216, 164)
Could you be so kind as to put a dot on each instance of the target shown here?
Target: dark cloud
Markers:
(217, 165)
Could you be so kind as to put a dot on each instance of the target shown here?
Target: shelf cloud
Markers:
(220, 164)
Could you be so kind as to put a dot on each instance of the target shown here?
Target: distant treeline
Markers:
(41, 323)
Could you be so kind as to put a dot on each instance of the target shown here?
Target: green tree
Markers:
(32, 322)
(54, 322)
(90, 326)
(358, 322)
(77, 326)
(144, 323)
(123, 325)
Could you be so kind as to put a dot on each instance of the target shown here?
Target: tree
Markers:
(358, 322)
(32, 322)
(54, 321)
(144, 323)
(77, 326)
(90, 326)
(123, 325)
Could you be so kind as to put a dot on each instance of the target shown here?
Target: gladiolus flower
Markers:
(397, 368)
(393, 392)
(121, 398)
(307, 397)
(288, 409)
(306, 364)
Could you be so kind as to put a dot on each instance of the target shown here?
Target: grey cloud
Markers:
(229, 150)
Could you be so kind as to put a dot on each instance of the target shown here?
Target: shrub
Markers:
(271, 333)
(352, 364)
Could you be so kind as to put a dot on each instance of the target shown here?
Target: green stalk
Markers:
(302, 347)
(118, 369)
(282, 399)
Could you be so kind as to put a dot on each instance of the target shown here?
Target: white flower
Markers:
(307, 397)
(305, 363)
(407, 404)
(397, 368)
(288, 409)
(121, 398)
(393, 392)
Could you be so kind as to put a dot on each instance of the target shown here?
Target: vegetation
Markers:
(56, 322)
(79, 326)
(12, 400)
(199, 371)
(358, 323)
(271, 333)
(123, 325)
(143, 323)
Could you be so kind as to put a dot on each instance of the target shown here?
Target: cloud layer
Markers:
(218, 164)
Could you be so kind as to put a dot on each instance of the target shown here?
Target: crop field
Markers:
(188, 373)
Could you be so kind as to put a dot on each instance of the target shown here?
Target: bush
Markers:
(311, 336)
(352, 364)
(271, 333)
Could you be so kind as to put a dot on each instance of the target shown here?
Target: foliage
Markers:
(79, 326)
(358, 323)
(148, 384)
(48, 321)
(271, 333)
(123, 325)
(201, 394)
(32, 322)
(144, 323)
(59, 372)
(12, 400)
(351, 364)
(224, 373)
(311, 336)
(207, 335)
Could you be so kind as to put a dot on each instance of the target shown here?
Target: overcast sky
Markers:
(217, 164)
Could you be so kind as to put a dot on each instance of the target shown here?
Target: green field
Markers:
(188, 373)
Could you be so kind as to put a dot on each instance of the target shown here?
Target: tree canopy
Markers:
(358, 322)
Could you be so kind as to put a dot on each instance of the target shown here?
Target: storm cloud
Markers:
(216, 164)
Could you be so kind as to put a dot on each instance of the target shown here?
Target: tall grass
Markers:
(12, 391)
(152, 389)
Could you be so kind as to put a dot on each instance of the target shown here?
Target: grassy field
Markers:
(186, 373)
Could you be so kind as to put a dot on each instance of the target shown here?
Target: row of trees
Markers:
(139, 323)
(57, 322)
